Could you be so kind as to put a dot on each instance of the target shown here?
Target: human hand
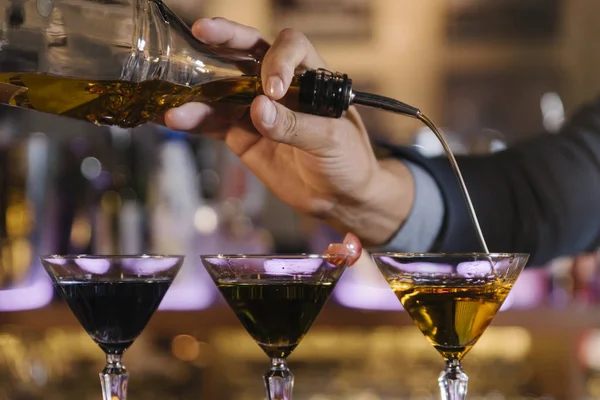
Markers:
(323, 167)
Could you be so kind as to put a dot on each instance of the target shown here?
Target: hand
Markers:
(323, 167)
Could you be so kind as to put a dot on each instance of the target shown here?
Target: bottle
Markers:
(126, 62)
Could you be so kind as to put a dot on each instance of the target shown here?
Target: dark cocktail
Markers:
(113, 297)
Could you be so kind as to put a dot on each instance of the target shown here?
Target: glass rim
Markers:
(108, 256)
(440, 255)
(299, 256)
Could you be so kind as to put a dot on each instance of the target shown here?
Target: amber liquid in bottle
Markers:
(122, 103)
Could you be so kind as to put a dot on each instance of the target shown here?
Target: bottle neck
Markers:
(325, 93)
(329, 94)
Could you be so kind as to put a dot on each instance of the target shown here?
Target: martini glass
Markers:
(452, 298)
(113, 297)
(277, 298)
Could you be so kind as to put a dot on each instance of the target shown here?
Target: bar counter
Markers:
(541, 353)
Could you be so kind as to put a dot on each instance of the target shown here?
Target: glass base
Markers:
(114, 379)
(279, 380)
(453, 381)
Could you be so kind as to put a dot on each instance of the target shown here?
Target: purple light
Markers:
(474, 268)
(529, 290)
(192, 289)
(102, 181)
(292, 266)
(223, 262)
(148, 265)
(57, 261)
(355, 295)
(363, 287)
(93, 265)
(37, 294)
(423, 267)
(193, 294)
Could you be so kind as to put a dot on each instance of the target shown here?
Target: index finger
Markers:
(290, 50)
(223, 32)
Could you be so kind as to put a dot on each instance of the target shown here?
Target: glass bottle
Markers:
(126, 62)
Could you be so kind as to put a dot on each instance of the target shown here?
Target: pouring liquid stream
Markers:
(461, 182)
(398, 107)
(427, 121)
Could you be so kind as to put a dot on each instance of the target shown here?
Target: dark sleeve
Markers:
(541, 196)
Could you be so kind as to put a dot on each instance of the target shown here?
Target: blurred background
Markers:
(491, 72)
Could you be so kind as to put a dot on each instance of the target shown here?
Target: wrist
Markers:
(384, 206)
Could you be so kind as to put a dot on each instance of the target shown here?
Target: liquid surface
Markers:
(114, 313)
(451, 314)
(120, 103)
(277, 315)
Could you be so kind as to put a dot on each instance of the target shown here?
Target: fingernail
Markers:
(275, 86)
(179, 112)
(203, 21)
(209, 21)
(174, 113)
(269, 113)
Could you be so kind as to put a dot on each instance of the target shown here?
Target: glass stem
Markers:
(453, 381)
(114, 379)
(279, 380)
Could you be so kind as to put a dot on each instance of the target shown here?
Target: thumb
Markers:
(280, 124)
